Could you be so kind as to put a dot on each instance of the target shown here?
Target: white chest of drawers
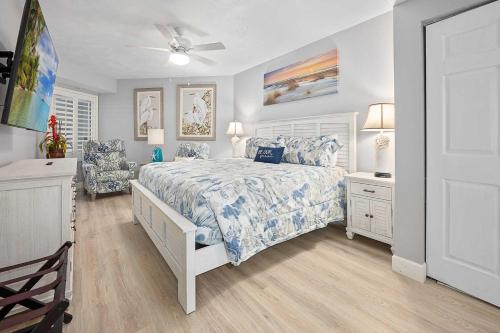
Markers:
(370, 206)
(37, 211)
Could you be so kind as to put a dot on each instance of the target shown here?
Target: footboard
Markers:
(173, 235)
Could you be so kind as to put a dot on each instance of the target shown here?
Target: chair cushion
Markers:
(104, 146)
(112, 186)
(109, 161)
(193, 150)
(180, 158)
(116, 175)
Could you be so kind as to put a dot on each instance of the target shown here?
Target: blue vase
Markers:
(157, 155)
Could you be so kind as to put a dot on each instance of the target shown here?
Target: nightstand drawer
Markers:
(373, 191)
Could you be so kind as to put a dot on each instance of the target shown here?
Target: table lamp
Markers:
(235, 128)
(156, 137)
(381, 118)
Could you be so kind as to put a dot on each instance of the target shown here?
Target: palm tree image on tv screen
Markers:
(36, 74)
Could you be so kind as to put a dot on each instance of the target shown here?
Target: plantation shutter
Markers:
(84, 123)
(77, 113)
(62, 107)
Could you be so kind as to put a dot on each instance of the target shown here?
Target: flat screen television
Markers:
(33, 73)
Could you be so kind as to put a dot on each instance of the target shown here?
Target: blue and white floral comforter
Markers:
(249, 205)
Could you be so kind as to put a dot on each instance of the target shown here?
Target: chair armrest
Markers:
(131, 169)
(132, 166)
(89, 177)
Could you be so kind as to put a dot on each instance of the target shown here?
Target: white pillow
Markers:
(317, 150)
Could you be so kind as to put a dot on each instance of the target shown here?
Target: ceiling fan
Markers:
(180, 48)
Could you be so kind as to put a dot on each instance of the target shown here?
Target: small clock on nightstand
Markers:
(370, 206)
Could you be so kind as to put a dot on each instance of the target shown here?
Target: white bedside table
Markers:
(370, 206)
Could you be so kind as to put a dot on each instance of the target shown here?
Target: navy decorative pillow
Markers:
(253, 143)
(269, 154)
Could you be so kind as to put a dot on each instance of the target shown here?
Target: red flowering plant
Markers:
(54, 142)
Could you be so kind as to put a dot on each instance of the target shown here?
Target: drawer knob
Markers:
(367, 215)
(369, 191)
(371, 216)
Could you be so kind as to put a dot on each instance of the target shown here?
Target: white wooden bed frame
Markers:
(174, 235)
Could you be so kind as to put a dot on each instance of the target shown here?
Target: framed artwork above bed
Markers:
(311, 77)
(196, 111)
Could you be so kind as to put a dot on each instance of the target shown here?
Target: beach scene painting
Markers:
(312, 77)
(35, 76)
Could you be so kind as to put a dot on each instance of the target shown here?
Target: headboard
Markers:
(342, 124)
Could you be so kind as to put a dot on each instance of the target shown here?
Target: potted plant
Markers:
(54, 142)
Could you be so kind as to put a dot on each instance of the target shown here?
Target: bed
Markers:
(236, 208)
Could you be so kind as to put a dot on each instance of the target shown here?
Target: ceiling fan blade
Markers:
(208, 47)
(166, 31)
(173, 31)
(150, 48)
(201, 59)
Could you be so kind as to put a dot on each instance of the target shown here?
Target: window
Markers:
(77, 113)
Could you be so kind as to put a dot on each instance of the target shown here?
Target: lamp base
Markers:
(384, 159)
(382, 174)
(157, 155)
(234, 141)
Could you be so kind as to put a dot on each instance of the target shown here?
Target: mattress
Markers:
(248, 205)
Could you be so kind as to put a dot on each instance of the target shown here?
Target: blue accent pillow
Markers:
(269, 154)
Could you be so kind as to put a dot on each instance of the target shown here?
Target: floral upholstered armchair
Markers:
(192, 151)
(105, 167)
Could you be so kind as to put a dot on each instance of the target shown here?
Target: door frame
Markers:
(425, 24)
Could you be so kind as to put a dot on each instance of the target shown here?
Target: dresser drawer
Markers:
(373, 191)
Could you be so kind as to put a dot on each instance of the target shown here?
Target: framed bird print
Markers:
(148, 111)
(196, 111)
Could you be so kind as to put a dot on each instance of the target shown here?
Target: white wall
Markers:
(409, 51)
(80, 78)
(116, 115)
(366, 77)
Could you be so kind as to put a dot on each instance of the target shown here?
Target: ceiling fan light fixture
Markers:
(179, 58)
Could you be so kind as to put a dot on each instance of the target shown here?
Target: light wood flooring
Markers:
(319, 282)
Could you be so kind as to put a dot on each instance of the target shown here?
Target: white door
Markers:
(463, 152)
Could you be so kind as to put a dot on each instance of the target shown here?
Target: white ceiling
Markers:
(94, 34)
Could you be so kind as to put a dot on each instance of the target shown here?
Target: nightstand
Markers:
(370, 206)
(139, 166)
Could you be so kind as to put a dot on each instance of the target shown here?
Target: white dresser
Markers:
(370, 206)
(37, 211)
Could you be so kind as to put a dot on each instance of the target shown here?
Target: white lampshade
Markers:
(380, 117)
(156, 136)
(235, 128)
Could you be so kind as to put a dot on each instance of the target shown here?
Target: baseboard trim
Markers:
(408, 268)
